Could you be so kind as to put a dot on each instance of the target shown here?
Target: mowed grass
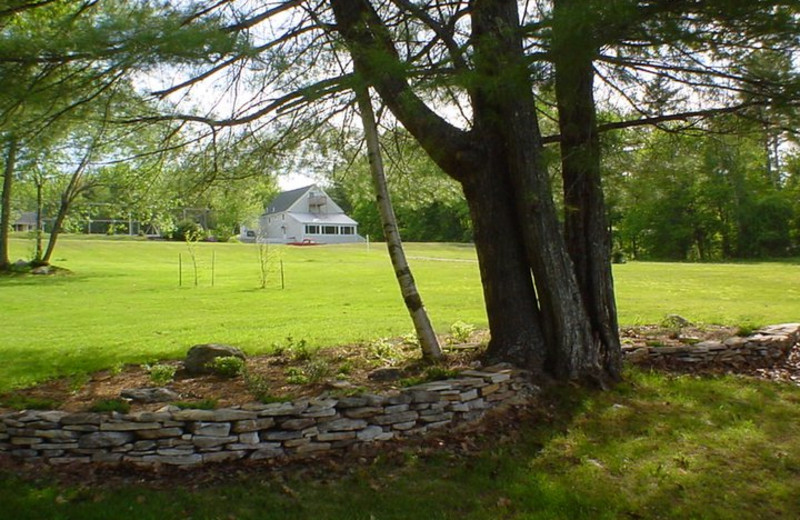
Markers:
(123, 303)
(654, 447)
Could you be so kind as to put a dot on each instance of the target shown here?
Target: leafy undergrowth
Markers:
(657, 446)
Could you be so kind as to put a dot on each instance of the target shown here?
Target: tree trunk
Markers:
(508, 291)
(5, 198)
(422, 324)
(585, 220)
(39, 226)
(508, 113)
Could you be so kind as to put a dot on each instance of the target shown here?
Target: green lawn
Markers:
(123, 302)
(656, 446)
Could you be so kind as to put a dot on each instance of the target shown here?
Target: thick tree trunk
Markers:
(5, 198)
(508, 289)
(585, 220)
(408, 288)
(508, 112)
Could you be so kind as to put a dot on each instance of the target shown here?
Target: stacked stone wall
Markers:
(767, 347)
(257, 431)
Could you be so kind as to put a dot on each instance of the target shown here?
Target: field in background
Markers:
(123, 302)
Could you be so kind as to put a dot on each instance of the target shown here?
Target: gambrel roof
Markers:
(283, 201)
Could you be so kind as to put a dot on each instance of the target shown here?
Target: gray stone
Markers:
(70, 460)
(186, 460)
(279, 409)
(199, 356)
(252, 425)
(360, 413)
(107, 458)
(336, 436)
(160, 433)
(194, 415)
(57, 435)
(281, 435)
(352, 402)
(210, 442)
(404, 425)
(297, 424)
(249, 438)
(313, 447)
(42, 269)
(126, 426)
(396, 418)
(105, 439)
(397, 408)
(424, 396)
(149, 395)
(369, 433)
(210, 429)
(81, 418)
(343, 425)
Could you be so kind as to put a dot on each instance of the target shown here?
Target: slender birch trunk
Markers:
(422, 324)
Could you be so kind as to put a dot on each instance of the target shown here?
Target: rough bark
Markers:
(408, 288)
(585, 221)
(517, 233)
(5, 198)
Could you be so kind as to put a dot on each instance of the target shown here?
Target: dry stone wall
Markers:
(767, 347)
(258, 431)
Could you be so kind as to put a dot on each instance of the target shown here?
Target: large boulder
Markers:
(199, 356)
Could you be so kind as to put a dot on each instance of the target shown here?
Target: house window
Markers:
(330, 230)
(347, 230)
(312, 230)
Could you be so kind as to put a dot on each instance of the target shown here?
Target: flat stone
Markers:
(57, 435)
(297, 424)
(336, 436)
(69, 460)
(57, 446)
(369, 433)
(105, 439)
(214, 429)
(410, 415)
(194, 415)
(209, 442)
(184, 460)
(278, 409)
(252, 425)
(360, 413)
(107, 458)
(352, 402)
(149, 395)
(160, 433)
(81, 418)
(127, 426)
(313, 447)
(424, 396)
(249, 438)
(343, 424)
(281, 435)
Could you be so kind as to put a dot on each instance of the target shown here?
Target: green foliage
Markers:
(316, 370)
(295, 376)
(385, 351)
(258, 386)
(203, 404)
(460, 332)
(226, 366)
(21, 402)
(160, 373)
(325, 302)
(111, 405)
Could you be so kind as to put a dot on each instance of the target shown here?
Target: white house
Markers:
(304, 215)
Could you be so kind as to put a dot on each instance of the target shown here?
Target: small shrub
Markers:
(746, 329)
(21, 402)
(460, 332)
(436, 373)
(111, 405)
(299, 351)
(385, 351)
(226, 366)
(411, 339)
(316, 370)
(203, 404)
(295, 376)
(116, 369)
(161, 374)
(77, 381)
(345, 369)
(258, 386)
